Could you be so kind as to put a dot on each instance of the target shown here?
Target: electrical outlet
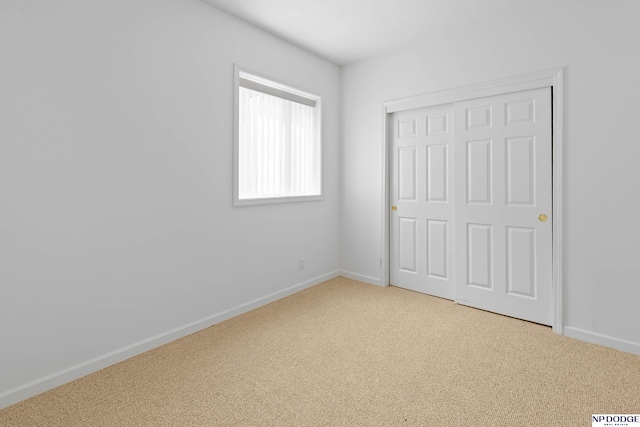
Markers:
(301, 263)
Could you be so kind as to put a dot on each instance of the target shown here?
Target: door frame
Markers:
(546, 78)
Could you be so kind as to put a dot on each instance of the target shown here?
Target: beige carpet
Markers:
(344, 353)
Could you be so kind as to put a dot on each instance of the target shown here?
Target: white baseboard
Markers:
(56, 379)
(605, 340)
(362, 278)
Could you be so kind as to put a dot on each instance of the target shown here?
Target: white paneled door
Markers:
(421, 194)
(473, 203)
(503, 204)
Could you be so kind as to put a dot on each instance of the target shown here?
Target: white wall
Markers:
(117, 230)
(598, 43)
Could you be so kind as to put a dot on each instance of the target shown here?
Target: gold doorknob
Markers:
(543, 218)
(394, 208)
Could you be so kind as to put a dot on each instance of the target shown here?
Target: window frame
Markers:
(238, 73)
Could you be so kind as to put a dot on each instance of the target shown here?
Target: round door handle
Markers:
(543, 218)
(394, 208)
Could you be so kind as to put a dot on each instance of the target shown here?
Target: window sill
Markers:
(275, 200)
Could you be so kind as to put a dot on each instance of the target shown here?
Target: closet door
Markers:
(503, 220)
(422, 200)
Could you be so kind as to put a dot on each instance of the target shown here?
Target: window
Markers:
(277, 144)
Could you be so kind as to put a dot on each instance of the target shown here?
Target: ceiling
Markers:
(345, 31)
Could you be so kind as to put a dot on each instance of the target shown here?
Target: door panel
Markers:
(521, 261)
(437, 249)
(479, 251)
(479, 171)
(520, 171)
(407, 173)
(407, 246)
(421, 169)
(437, 173)
(503, 183)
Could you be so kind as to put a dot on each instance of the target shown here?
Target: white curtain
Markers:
(278, 155)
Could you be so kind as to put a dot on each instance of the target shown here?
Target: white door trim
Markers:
(547, 78)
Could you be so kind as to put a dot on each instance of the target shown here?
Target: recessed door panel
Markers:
(520, 170)
(520, 111)
(407, 128)
(407, 173)
(521, 265)
(437, 252)
(479, 171)
(479, 254)
(407, 233)
(436, 124)
(478, 117)
(437, 174)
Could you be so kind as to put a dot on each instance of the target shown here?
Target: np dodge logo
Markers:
(615, 420)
